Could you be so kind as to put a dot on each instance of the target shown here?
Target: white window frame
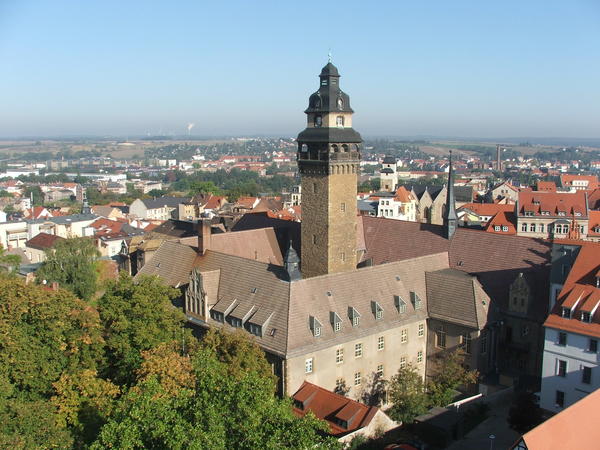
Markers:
(358, 350)
(308, 365)
(380, 343)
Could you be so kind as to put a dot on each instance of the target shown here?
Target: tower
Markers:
(328, 162)
(388, 176)
(450, 217)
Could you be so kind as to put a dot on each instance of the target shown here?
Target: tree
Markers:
(136, 317)
(210, 409)
(44, 335)
(237, 351)
(524, 413)
(407, 395)
(449, 372)
(373, 392)
(8, 263)
(72, 263)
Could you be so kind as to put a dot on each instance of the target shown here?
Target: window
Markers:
(496, 227)
(377, 310)
(404, 336)
(314, 188)
(355, 321)
(343, 207)
(339, 121)
(340, 383)
(541, 228)
(465, 343)
(524, 227)
(586, 317)
(380, 343)
(235, 322)
(566, 313)
(421, 331)
(402, 362)
(357, 379)
(504, 228)
(560, 399)
(593, 346)
(337, 326)
(483, 343)
(561, 368)
(532, 227)
(420, 356)
(255, 329)
(343, 256)
(562, 339)
(380, 370)
(308, 365)
(324, 82)
(415, 299)
(440, 338)
(339, 356)
(218, 316)
(336, 320)
(315, 326)
(400, 304)
(586, 375)
(358, 350)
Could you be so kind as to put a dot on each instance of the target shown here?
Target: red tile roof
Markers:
(594, 223)
(335, 409)
(576, 427)
(594, 199)
(567, 180)
(42, 241)
(553, 203)
(548, 186)
(504, 220)
(402, 195)
(580, 293)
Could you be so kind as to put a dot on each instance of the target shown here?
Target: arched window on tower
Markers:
(304, 148)
(345, 148)
(339, 121)
(318, 121)
(335, 148)
(340, 103)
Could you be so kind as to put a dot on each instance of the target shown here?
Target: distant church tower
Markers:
(328, 162)
(450, 217)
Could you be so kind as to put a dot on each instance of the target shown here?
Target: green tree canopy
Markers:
(407, 395)
(210, 408)
(449, 372)
(72, 263)
(135, 317)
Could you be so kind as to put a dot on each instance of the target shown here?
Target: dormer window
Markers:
(497, 228)
(566, 313)
(400, 304)
(586, 317)
(336, 321)
(377, 310)
(218, 316)
(255, 329)
(315, 326)
(354, 316)
(235, 322)
(504, 228)
(415, 299)
(562, 213)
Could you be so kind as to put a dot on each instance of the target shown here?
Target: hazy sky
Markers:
(453, 68)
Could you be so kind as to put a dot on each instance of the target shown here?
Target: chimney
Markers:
(498, 160)
(204, 235)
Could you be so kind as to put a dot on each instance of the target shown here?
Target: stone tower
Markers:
(328, 162)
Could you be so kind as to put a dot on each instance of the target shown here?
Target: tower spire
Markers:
(292, 263)
(450, 217)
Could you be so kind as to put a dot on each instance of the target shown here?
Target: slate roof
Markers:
(261, 293)
(495, 259)
(65, 219)
(172, 262)
(176, 228)
(455, 296)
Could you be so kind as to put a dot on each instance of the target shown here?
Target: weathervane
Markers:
(329, 56)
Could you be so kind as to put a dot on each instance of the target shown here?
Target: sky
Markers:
(411, 68)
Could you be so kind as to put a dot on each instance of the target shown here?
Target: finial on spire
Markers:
(329, 57)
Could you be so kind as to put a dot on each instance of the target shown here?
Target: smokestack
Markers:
(204, 235)
(498, 160)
